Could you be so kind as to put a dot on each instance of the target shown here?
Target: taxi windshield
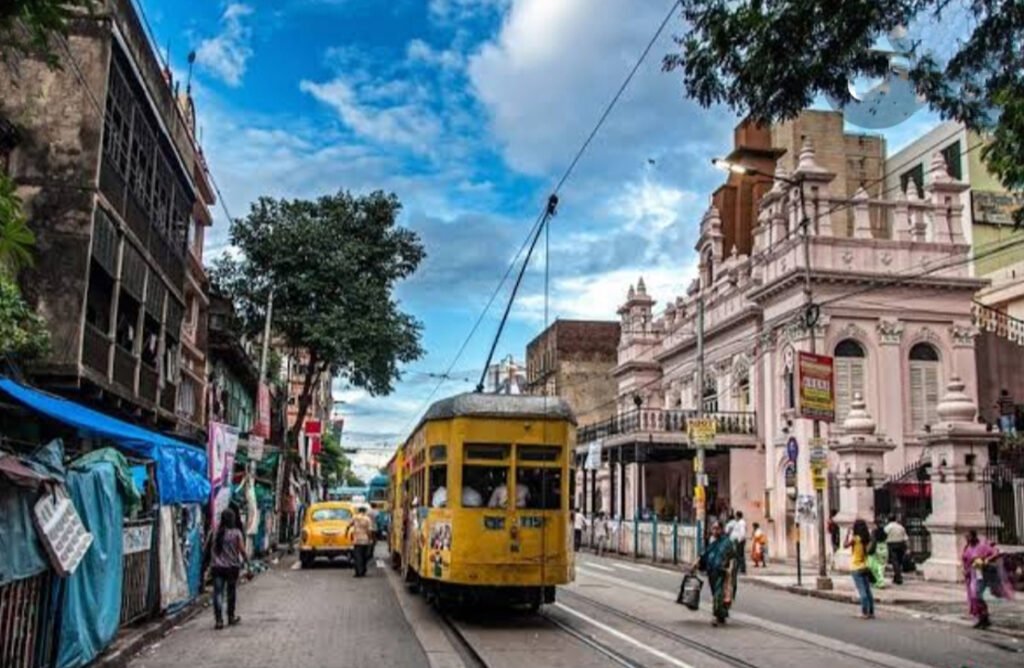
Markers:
(327, 514)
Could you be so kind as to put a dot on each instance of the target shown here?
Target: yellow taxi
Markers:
(325, 532)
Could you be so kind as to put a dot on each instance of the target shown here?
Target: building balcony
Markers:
(96, 350)
(668, 426)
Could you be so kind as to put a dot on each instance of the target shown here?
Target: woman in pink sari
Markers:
(982, 571)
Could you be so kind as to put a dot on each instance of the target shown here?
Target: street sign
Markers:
(818, 454)
(702, 431)
(819, 478)
(806, 510)
(816, 387)
(792, 449)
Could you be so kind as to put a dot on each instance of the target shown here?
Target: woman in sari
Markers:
(719, 562)
(982, 571)
(759, 548)
(879, 558)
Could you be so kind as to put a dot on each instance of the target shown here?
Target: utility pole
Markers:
(700, 492)
(266, 336)
(824, 582)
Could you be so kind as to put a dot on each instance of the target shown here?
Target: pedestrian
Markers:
(1007, 414)
(833, 535)
(719, 562)
(730, 522)
(983, 572)
(228, 558)
(601, 534)
(360, 530)
(759, 546)
(739, 536)
(896, 544)
(579, 522)
(878, 560)
(858, 539)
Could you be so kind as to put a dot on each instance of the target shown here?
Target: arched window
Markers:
(924, 385)
(849, 375)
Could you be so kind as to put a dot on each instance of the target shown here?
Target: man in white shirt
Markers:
(578, 524)
(440, 497)
(739, 537)
(896, 542)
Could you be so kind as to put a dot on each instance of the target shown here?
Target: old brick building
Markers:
(573, 359)
(117, 192)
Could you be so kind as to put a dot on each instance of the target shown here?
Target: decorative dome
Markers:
(956, 406)
(858, 420)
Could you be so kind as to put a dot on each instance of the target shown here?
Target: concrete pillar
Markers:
(861, 454)
(959, 455)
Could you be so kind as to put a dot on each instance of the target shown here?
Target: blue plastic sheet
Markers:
(21, 554)
(92, 594)
(182, 475)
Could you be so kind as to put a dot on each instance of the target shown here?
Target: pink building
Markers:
(895, 301)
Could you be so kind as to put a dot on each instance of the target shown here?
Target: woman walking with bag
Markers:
(719, 562)
(228, 559)
(983, 572)
(858, 539)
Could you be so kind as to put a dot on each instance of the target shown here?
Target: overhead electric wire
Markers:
(558, 186)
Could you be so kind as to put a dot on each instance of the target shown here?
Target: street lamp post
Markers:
(810, 320)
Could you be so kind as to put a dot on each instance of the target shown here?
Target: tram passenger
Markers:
(440, 497)
(471, 498)
(499, 498)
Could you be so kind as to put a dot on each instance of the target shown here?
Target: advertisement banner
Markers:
(256, 444)
(222, 446)
(261, 427)
(593, 461)
(817, 400)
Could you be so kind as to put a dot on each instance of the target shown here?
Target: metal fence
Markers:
(136, 602)
(27, 622)
(1004, 504)
(660, 541)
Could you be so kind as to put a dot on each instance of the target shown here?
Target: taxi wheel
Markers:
(306, 561)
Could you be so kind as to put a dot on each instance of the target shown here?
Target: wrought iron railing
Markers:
(666, 420)
(1001, 324)
(136, 571)
(27, 622)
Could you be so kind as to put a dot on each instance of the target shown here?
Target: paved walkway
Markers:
(291, 617)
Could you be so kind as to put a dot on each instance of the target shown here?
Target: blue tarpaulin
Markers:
(92, 594)
(181, 469)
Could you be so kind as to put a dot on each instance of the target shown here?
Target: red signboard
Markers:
(312, 427)
(262, 425)
(817, 389)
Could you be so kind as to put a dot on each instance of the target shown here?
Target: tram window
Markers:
(484, 485)
(439, 486)
(438, 453)
(543, 488)
(539, 453)
(486, 451)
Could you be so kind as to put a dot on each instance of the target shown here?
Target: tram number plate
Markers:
(494, 523)
(531, 522)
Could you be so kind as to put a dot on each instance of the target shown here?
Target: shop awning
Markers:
(181, 469)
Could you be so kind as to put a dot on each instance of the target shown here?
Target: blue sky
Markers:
(469, 110)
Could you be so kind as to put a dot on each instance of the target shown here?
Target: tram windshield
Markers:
(543, 488)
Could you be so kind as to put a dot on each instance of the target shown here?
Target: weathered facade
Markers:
(115, 189)
(572, 359)
(233, 375)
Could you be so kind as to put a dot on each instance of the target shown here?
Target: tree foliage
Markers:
(16, 238)
(332, 264)
(335, 463)
(770, 59)
(23, 333)
(30, 26)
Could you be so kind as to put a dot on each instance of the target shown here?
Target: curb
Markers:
(896, 605)
(124, 649)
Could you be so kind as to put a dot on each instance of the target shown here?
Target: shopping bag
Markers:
(689, 592)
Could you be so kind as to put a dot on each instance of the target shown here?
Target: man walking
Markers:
(578, 523)
(361, 533)
(1007, 414)
(833, 535)
(896, 541)
(739, 536)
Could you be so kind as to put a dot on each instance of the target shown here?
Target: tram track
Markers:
(471, 658)
(703, 648)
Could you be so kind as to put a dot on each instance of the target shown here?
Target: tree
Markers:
(335, 463)
(22, 332)
(769, 59)
(332, 265)
(30, 26)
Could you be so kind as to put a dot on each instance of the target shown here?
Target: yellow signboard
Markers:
(820, 479)
(702, 431)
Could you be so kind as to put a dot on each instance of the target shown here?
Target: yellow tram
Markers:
(480, 499)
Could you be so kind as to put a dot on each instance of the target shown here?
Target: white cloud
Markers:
(545, 77)
(407, 125)
(453, 11)
(418, 51)
(227, 54)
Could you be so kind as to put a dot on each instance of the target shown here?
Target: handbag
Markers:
(689, 592)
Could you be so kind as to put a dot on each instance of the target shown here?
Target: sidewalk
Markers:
(930, 600)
